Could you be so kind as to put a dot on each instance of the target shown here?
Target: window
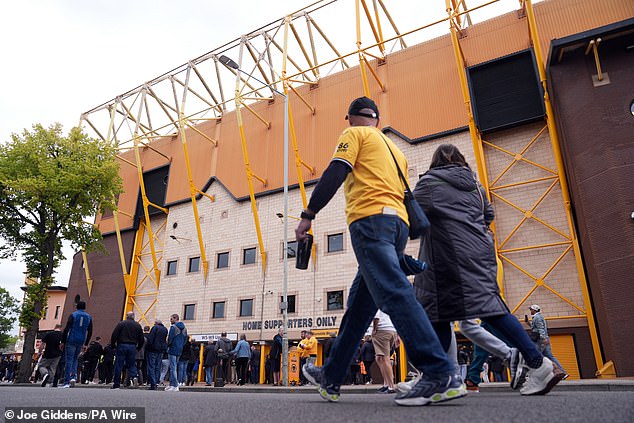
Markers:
(189, 312)
(171, 267)
(248, 256)
(290, 308)
(57, 311)
(219, 310)
(291, 252)
(222, 260)
(335, 300)
(335, 243)
(246, 307)
(45, 314)
(194, 264)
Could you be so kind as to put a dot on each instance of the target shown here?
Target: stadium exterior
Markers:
(539, 100)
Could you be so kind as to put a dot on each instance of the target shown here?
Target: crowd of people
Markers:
(136, 356)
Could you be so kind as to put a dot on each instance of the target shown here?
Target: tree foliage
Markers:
(50, 183)
(8, 314)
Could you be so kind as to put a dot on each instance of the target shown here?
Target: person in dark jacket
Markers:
(183, 360)
(209, 361)
(155, 348)
(192, 365)
(367, 356)
(254, 365)
(127, 338)
(91, 360)
(224, 346)
(460, 282)
(106, 366)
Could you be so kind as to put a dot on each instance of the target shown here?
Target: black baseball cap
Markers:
(363, 106)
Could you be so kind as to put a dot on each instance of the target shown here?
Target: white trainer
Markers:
(541, 380)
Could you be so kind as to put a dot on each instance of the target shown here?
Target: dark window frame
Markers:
(213, 309)
(329, 302)
(222, 254)
(169, 263)
(244, 256)
(329, 237)
(189, 264)
(192, 306)
(242, 302)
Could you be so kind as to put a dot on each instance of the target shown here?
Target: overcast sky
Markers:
(63, 57)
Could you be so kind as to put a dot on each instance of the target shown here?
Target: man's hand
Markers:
(302, 229)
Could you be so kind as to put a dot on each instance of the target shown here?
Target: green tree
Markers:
(8, 315)
(50, 183)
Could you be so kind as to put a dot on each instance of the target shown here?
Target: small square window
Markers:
(248, 256)
(194, 264)
(222, 260)
(290, 308)
(335, 243)
(291, 251)
(219, 310)
(246, 307)
(335, 300)
(171, 267)
(189, 312)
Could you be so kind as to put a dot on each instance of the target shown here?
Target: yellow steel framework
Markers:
(498, 191)
(285, 54)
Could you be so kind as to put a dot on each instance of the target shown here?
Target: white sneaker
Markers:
(407, 386)
(135, 382)
(541, 380)
(171, 389)
(64, 386)
(72, 383)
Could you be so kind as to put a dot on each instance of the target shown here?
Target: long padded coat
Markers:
(460, 281)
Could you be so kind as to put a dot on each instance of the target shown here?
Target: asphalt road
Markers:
(558, 407)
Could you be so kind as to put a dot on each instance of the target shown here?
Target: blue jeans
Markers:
(378, 241)
(173, 375)
(547, 351)
(182, 371)
(125, 356)
(71, 353)
(154, 367)
(209, 375)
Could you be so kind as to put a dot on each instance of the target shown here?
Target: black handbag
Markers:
(418, 221)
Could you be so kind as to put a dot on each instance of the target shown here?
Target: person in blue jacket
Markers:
(242, 352)
(75, 338)
(175, 342)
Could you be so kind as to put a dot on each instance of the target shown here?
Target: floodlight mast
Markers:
(284, 304)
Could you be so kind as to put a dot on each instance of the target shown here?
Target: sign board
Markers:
(206, 337)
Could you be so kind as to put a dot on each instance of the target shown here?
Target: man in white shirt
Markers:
(384, 338)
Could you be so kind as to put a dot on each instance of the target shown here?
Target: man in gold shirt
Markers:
(378, 225)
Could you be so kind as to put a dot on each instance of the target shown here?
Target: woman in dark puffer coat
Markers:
(460, 282)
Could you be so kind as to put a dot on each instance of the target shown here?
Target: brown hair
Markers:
(447, 154)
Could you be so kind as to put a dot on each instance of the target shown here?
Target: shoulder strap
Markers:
(400, 174)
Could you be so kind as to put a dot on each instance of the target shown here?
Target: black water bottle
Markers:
(304, 248)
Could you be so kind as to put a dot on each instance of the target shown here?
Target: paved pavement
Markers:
(571, 401)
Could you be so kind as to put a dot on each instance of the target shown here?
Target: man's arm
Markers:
(69, 324)
(89, 333)
(328, 184)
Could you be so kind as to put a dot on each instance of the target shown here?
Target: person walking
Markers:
(378, 224)
(539, 335)
(75, 338)
(155, 347)
(242, 353)
(460, 282)
(183, 361)
(127, 338)
(91, 360)
(140, 358)
(176, 339)
(52, 353)
(384, 338)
